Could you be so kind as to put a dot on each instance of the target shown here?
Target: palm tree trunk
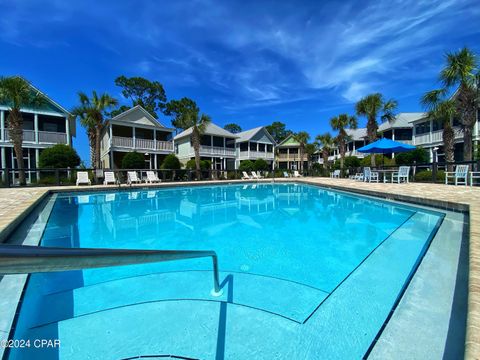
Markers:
(15, 129)
(448, 143)
(467, 143)
(342, 157)
(325, 160)
(301, 159)
(196, 149)
(97, 147)
(372, 135)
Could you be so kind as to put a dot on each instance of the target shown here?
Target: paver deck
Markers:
(15, 204)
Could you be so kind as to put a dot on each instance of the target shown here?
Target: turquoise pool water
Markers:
(307, 273)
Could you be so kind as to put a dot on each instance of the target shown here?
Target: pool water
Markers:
(306, 272)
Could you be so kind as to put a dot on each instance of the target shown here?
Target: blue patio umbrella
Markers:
(385, 146)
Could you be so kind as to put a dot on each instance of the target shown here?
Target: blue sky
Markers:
(248, 62)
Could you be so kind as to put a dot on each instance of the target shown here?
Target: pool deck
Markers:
(16, 203)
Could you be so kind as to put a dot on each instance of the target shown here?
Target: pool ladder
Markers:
(22, 259)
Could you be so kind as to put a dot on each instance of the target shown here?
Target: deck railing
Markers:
(44, 137)
(141, 144)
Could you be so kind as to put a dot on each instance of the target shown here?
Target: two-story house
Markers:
(43, 127)
(288, 154)
(135, 130)
(255, 144)
(216, 145)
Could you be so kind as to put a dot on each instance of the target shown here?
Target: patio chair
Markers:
(461, 172)
(254, 175)
(402, 174)
(370, 176)
(245, 176)
(259, 175)
(82, 178)
(285, 174)
(335, 174)
(152, 177)
(132, 178)
(474, 175)
(109, 178)
(296, 174)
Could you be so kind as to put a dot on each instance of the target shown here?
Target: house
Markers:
(43, 127)
(135, 130)
(217, 145)
(255, 144)
(356, 139)
(288, 154)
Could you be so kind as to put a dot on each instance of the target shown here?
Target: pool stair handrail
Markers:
(22, 259)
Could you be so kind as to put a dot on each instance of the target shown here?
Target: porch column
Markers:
(110, 131)
(2, 125)
(413, 134)
(4, 162)
(112, 165)
(248, 154)
(155, 161)
(133, 137)
(37, 162)
(155, 144)
(224, 146)
(35, 126)
(67, 130)
(393, 134)
(430, 133)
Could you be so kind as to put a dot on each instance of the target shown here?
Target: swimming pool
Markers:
(307, 273)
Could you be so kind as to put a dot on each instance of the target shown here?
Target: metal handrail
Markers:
(22, 259)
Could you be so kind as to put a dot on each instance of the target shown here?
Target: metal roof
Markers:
(402, 121)
(210, 129)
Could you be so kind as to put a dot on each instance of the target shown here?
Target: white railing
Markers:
(143, 144)
(422, 139)
(436, 136)
(44, 137)
(216, 150)
(256, 155)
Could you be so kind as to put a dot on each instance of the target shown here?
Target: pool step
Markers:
(284, 298)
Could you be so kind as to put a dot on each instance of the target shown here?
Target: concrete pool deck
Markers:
(15, 204)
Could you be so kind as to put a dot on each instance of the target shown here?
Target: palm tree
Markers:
(92, 112)
(310, 150)
(17, 93)
(461, 71)
(340, 123)
(444, 110)
(302, 138)
(371, 106)
(325, 141)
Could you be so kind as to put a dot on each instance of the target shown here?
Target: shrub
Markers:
(352, 161)
(379, 160)
(204, 164)
(246, 165)
(260, 165)
(171, 162)
(419, 155)
(133, 160)
(59, 156)
(426, 176)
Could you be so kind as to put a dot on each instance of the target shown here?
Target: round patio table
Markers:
(385, 172)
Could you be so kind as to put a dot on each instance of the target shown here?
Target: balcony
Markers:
(216, 151)
(256, 155)
(44, 137)
(435, 137)
(290, 157)
(141, 144)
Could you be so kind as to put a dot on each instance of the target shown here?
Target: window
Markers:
(269, 148)
(422, 128)
(253, 146)
(261, 147)
(218, 141)
(244, 146)
(437, 125)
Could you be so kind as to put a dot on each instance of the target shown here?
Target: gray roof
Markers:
(402, 120)
(210, 129)
(249, 134)
(357, 134)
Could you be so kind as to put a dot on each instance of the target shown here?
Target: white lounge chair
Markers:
(132, 178)
(245, 176)
(402, 174)
(296, 174)
(370, 176)
(461, 172)
(254, 175)
(335, 174)
(285, 174)
(152, 177)
(109, 178)
(259, 175)
(82, 178)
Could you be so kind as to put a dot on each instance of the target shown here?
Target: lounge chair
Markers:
(461, 172)
(285, 174)
(370, 176)
(254, 175)
(296, 174)
(132, 178)
(402, 174)
(152, 177)
(82, 178)
(109, 178)
(335, 174)
(245, 176)
(259, 175)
